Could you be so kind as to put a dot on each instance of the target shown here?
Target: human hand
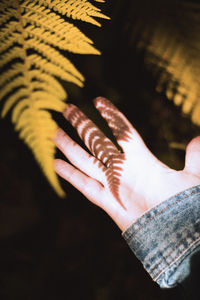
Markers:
(124, 184)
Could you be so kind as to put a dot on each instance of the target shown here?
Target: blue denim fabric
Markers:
(165, 238)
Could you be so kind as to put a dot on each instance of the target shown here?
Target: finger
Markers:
(98, 144)
(79, 157)
(192, 159)
(89, 187)
(120, 126)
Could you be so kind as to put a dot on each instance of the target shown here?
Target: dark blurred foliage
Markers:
(52, 248)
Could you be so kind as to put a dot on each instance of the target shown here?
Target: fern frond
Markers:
(37, 134)
(76, 9)
(170, 38)
(47, 66)
(54, 57)
(77, 43)
(65, 35)
(31, 35)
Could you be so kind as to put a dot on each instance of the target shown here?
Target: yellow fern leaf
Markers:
(54, 57)
(31, 35)
(54, 30)
(76, 9)
(57, 70)
(77, 43)
(170, 38)
(38, 136)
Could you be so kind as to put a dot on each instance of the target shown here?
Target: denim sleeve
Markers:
(165, 238)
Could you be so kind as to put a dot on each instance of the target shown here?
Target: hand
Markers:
(124, 184)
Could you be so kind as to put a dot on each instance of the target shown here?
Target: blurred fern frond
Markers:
(32, 33)
(168, 33)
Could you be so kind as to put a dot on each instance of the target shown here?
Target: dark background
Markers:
(52, 248)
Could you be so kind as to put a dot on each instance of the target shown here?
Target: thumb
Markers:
(192, 158)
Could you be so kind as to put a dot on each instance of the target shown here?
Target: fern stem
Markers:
(26, 65)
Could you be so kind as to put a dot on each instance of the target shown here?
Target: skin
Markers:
(127, 183)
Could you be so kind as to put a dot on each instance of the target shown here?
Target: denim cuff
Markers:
(165, 237)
